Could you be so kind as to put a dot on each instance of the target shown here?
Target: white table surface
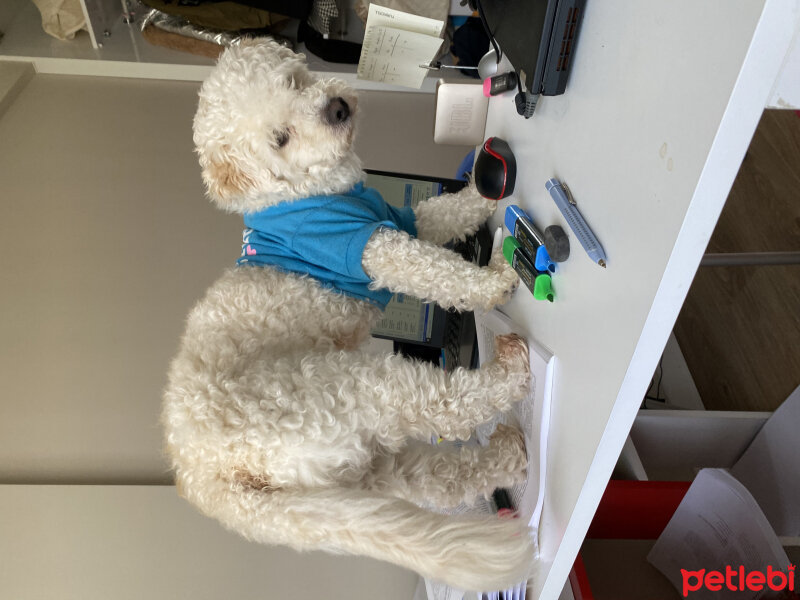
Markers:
(660, 108)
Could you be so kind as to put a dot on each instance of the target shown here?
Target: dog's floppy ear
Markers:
(226, 181)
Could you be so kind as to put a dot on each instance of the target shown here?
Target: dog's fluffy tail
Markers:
(469, 553)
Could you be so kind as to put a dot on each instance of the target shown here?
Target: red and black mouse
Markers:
(495, 169)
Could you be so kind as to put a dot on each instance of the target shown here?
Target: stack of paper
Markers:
(518, 592)
(396, 44)
(532, 415)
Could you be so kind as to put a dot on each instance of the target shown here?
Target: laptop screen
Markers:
(407, 318)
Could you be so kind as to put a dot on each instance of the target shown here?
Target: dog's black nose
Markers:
(337, 111)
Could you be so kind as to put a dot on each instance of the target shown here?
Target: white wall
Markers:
(144, 543)
(106, 241)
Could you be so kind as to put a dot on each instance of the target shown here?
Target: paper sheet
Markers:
(770, 467)
(532, 414)
(396, 44)
(381, 16)
(441, 591)
(516, 593)
(718, 524)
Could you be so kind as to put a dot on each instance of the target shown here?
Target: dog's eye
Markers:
(282, 138)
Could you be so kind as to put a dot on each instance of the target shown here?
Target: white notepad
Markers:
(396, 44)
(532, 414)
(533, 417)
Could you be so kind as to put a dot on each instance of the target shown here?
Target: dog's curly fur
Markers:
(276, 422)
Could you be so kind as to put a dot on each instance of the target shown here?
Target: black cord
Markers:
(657, 397)
(488, 31)
(524, 107)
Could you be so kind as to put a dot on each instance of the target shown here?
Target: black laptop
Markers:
(539, 38)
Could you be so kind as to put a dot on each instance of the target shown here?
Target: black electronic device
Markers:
(495, 169)
(427, 331)
(539, 38)
(406, 319)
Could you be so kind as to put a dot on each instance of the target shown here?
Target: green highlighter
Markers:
(540, 284)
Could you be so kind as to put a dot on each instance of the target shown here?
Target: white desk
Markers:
(663, 100)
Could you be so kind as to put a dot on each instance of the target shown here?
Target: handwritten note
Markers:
(396, 44)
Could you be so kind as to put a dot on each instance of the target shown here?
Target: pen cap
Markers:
(543, 288)
(514, 212)
(542, 261)
(510, 244)
(551, 183)
(497, 240)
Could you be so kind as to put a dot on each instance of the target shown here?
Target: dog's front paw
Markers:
(507, 279)
(511, 353)
(510, 282)
(511, 350)
(512, 456)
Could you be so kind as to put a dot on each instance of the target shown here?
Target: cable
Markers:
(525, 102)
(497, 52)
(657, 397)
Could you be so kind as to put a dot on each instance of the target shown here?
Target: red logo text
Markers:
(737, 580)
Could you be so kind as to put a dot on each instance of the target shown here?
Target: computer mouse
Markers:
(495, 169)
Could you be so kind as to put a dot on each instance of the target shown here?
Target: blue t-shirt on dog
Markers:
(324, 237)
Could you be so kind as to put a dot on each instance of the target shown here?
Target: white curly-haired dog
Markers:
(277, 424)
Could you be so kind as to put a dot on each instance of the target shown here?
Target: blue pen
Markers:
(576, 221)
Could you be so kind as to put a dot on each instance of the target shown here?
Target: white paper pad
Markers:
(380, 16)
(396, 44)
(532, 414)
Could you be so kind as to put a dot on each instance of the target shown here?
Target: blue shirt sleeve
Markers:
(335, 234)
(405, 219)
